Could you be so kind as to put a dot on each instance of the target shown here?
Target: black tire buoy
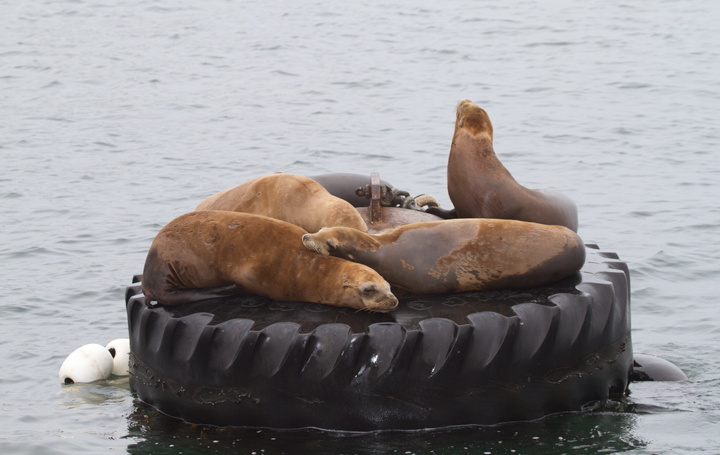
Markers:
(435, 361)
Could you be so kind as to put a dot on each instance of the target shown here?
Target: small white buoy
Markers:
(88, 363)
(120, 351)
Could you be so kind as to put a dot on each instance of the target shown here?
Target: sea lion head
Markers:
(339, 241)
(320, 244)
(473, 118)
(362, 287)
(365, 289)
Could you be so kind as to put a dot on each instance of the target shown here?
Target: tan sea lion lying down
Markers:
(207, 254)
(293, 198)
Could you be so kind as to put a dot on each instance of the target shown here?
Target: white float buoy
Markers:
(120, 351)
(88, 363)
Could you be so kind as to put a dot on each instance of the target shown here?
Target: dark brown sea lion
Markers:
(205, 254)
(293, 198)
(460, 255)
(480, 186)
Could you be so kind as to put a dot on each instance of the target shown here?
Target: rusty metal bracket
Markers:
(375, 197)
(383, 196)
(379, 195)
(389, 197)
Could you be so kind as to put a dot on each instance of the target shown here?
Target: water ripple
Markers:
(119, 116)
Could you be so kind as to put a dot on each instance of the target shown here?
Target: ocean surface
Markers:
(116, 117)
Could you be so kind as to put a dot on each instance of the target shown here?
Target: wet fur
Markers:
(214, 253)
(460, 255)
(293, 198)
(481, 187)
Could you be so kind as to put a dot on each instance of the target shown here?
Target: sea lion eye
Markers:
(368, 291)
(330, 245)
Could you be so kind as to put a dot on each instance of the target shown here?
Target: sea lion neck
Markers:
(478, 148)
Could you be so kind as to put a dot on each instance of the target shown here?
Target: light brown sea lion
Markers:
(480, 186)
(206, 254)
(459, 255)
(293, 198)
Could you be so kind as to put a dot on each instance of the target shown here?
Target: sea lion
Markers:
(459, 255)
(480, 187)
(208, 254)
(293, 198)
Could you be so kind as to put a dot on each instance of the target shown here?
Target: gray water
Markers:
(116, 117)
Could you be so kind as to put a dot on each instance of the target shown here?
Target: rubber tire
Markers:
(343, 185)
(436, 361)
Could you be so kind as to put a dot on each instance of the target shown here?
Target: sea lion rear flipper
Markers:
(171, 298)
(442, 213)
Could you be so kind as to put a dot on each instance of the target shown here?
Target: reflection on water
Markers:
(95, 394)
(606, 428)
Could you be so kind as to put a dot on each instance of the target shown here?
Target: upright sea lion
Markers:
(460, 255)
(206, 254)
(480, 186)
(293, 198)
